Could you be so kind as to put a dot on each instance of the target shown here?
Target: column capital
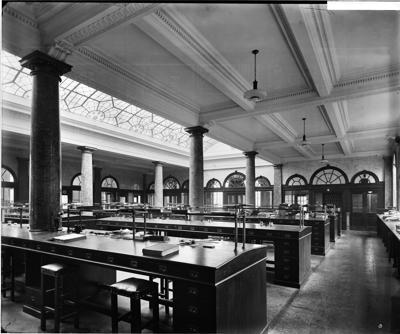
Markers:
(196, 130)
(86, 149)
(38, 61)
(250, 154)
(278, 166)
(157, 163)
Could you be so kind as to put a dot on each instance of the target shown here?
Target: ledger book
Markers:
(161, 249)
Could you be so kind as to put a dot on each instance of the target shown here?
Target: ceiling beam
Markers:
(176, 33)
(365, 85)
(339, 156)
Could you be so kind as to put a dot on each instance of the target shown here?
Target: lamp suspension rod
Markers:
(304, 128)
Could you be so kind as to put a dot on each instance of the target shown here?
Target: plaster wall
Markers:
(350, 166)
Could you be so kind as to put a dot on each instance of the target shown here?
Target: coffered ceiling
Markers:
(191, 63)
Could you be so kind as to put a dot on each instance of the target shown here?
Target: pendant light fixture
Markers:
(255, 94)
(304, 142)
(323, 160)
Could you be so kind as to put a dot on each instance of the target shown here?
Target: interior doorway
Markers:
(364, 206)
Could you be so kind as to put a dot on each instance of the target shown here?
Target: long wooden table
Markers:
(215, 289)
(391, 238)
(321, 236)
(292, 243)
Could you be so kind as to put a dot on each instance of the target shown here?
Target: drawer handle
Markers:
(70, 252)
(286, 276)
(286, 235)
(219, 230)
(88, 256)
(193, 291)
(33, 299)
(53, 249)
(206, 229)
(179, 227)
(250, 232)
(162, 268)
(134, 263)
(193, 309)
(286, 243)
(286, 268)
(38, 247)
(166, 226)
(286, 251)
(110, 259)
(193, 329)
(192, 228)
(12, 242)
(285, 260)
(24, 245)
(194, 274)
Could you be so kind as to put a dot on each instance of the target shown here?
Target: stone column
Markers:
(144, 188)
(388, 179)
(397, 150)
(45, 145)
(86, 175)
(196, 167)
(250, 177)
(97, 185)
(158, 184)
(277, 185)
(22, 193)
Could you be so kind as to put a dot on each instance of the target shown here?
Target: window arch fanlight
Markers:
(109, 182)
(235, 180)
(364, 177)
(76, 180)
(185, 185)
(262, 181)
(213, 183)
(171, 182)
(7, 175)
(151, 186)
(296, 180)
(329, 175)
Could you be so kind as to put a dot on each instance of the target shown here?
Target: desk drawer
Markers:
(286, 248)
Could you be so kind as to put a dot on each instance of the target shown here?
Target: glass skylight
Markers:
(86, 101)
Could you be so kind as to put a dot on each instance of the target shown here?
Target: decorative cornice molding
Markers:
(178, 35)
(291, 42)
(369, 78)
(321, 35)
(138, 78)
(61, 50)
(109, 19)
(8, 10)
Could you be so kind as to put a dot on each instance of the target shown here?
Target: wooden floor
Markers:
(348, 292)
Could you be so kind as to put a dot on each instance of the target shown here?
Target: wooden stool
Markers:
(58, 272)
(136, 289)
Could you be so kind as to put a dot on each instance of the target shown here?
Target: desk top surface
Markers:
(219, 224)
(391, 224)
(222, 254)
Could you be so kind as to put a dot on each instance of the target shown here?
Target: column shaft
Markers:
(277, 185)
(250, 178)
(86, 175)
(22, 194)
(196, 166)
(388, 179)
(45, 146)
(158, 185)
(97, 185)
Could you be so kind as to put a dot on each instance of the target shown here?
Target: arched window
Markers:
(171, 182)
(262, 181)
(364, 177)
(77, 180)
(151, 186)
(296, 180)
(213, 183)
(109, 182)
(329, 175)
(8, 184)
(185, 185)
(235, 180)
(136, 186)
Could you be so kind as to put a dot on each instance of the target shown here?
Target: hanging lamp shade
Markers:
(255, 94)
(323, 160)
(304, 142)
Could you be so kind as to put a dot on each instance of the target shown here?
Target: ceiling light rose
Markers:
(304, 142)
(323, 160)
(255, 94)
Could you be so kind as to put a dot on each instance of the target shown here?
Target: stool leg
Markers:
(166, 293)
(114, 312)
(156, 315)
(58, 291)
(77, 303)
(43, 310)
(136, 320)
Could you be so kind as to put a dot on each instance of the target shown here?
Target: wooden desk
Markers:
(321, 232)
(391, 239)
(292, 243)
(215, 290)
